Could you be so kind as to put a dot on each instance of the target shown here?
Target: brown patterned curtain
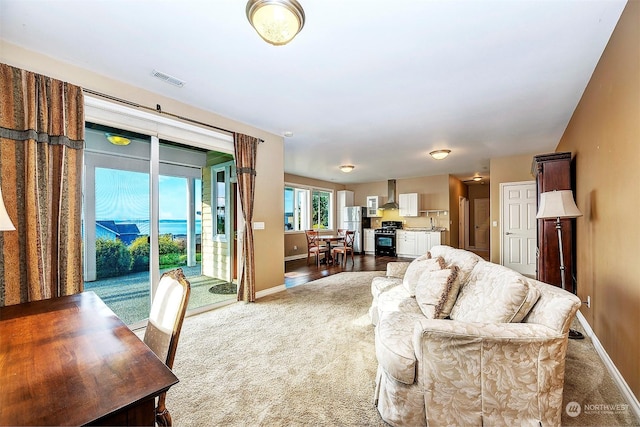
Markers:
(41, 148)
(245, 148)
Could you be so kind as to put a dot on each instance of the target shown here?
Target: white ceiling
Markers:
(377, 84)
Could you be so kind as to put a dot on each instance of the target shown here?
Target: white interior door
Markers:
(481, 223)
(518, 226)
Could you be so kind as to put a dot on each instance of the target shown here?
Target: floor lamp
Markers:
(559, 204)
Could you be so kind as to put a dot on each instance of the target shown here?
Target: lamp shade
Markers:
(276, 21)
(5, 221)
(557, 204)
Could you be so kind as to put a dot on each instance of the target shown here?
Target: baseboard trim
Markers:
(617, 377)
(293, 257)
(270, 291)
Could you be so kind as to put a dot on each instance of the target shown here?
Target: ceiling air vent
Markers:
(167, 78)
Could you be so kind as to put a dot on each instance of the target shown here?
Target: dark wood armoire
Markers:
(553, 172)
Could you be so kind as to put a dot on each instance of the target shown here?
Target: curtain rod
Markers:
(159, 110)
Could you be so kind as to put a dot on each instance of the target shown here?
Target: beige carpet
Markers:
(305, 356)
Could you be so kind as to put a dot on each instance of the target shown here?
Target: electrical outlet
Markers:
(295, 248)
(588, 301)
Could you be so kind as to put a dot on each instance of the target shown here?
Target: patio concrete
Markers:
(128, 296)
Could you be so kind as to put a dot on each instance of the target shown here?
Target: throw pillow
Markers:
(436, 292)
(494, 294)
(416, 268)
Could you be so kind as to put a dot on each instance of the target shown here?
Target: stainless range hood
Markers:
(391, 196)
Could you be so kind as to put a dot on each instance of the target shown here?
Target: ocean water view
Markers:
(166, 226)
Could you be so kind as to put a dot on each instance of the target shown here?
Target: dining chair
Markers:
(167, 312)
(345, 248)
(314, 247)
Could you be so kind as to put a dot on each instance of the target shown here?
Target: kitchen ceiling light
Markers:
(276, 21)
(439, 154)
(477, 178)
(117, 139)
(347, 168)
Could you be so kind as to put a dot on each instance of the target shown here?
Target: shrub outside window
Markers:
(306, 208)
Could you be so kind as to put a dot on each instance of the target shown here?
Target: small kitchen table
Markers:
(72, 361)
(329, 239)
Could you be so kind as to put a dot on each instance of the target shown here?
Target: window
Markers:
(220, 202)
(321, 209)
(306, 208)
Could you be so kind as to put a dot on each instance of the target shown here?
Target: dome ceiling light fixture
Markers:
(117, 139)
(347, 168)
(477, 178)
(276, 21)
(439, 154)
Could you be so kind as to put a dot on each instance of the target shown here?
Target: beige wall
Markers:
(457, 190)
(476, 191)
(270, 161)
(604, 137)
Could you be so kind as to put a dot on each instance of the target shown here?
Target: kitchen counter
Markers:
(435, 229)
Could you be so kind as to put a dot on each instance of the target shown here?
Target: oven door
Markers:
(386, 244)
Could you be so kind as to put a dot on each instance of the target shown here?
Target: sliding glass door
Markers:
(141, 219)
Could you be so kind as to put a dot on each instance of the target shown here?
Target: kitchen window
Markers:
(306, 208)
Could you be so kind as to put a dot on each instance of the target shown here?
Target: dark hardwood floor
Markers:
(298, 272)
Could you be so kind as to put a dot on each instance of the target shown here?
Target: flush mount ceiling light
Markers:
(117, 139)
(276, 21)
(439, 154)
(347, 168)
(477, 178)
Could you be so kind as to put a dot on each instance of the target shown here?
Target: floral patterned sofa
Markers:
(462, 341)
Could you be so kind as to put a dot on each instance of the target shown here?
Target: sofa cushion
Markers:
(383, 284)
(397, 268)
(394, 346)
(396, 299)
(436, 292)
(494, 294)
(416, 268)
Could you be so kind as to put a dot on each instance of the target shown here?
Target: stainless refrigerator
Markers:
(355, 219)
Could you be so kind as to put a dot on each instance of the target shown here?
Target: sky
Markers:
(124, 195)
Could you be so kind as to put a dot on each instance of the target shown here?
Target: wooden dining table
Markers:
(328, 239)
(72, 361)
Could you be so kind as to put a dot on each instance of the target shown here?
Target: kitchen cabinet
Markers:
(369, 241)
(406, 243)
(373, 205)
(408, 204)
(412, 244)
(423, 242)
(344, 198)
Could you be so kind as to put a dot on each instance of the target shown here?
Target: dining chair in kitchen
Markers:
(314, 247)
(345, 248)
(167, 312)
